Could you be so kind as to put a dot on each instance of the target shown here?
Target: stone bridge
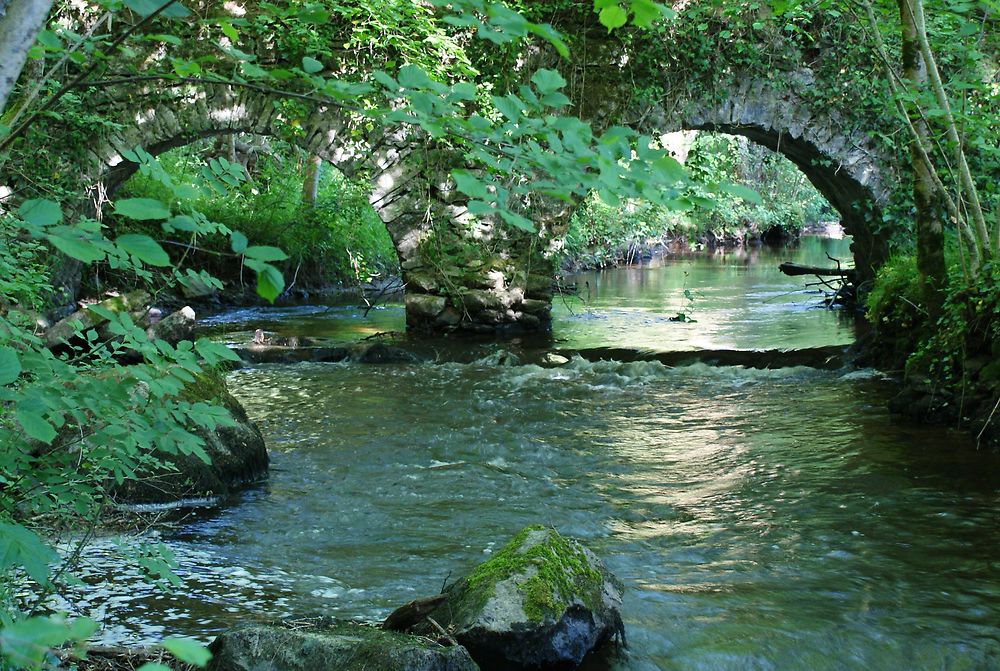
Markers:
(473, 276)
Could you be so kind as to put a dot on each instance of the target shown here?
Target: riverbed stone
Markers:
(543, 600)
(329, 647)
(237, 453)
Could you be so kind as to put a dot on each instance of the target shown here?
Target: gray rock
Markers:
(424, 282)
(542, 600)
(424, 307)
(174, 327)
(382, 353)
(478, 300)
(336, 647)
(534, 306)
(255, 353)
(67, 330)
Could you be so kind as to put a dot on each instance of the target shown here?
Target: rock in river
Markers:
(238, 456)
(338, 646)
(543, 600)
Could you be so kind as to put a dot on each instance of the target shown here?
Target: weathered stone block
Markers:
(477, 300)
(424, 307)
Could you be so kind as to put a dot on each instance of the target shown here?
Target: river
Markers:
(760, 519)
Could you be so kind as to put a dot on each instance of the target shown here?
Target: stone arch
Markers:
(411, 191)
(510, 289)
(835, 154)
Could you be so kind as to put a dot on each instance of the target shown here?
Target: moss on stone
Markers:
(560, 572)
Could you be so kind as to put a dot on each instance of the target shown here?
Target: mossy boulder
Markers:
(238, 456)
(330, 647)
(543, 600)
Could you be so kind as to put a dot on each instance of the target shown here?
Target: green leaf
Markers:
(229, 31)
(270, 283)
(314, 14)
(238, 241)
(27, 643)
(550, 35)
(40, 212)
(646, 11)
(182, 222)
(49, 39)
(142, 209)
(10, 366)
(412, 77)
(253, 71)
(669, 169)
(547, 81)
(518, 221)
(19, 547)
(169, 39)
(263, 253)
(311, 65)
(213, 350)
(469, 184)
(188, 650)
(76, 247)
(152, 666)
(146, 7)
(613, 17)
(743, 192)
(143, 248)
(35, 425)
(510, 106)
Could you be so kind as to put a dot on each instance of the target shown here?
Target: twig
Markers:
(988, 420)
(442, 631)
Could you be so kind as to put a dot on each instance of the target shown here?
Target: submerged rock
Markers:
(340, 647)
(542, 600)
(382, 353)
(238, 456)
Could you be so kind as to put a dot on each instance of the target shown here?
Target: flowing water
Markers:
(760, 519)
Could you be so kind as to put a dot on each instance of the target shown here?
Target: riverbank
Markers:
(632, 251)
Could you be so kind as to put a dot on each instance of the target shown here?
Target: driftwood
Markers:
(794, 269)
(413, 613)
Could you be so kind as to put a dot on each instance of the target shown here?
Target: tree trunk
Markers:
(310, 184)
(20, 21)
(929, 227)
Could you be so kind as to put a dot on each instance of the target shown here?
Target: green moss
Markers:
(208, 386)
(563, 573)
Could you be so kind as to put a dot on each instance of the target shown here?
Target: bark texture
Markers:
(20, 21)
(928, 224)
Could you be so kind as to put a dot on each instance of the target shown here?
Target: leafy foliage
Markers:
(337, 239)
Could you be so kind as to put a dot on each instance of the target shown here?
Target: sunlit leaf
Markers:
(612, 17)
(270, 283)
(311, 65)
